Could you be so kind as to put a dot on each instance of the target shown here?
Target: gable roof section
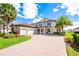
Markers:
(44, 20)
(24, 25)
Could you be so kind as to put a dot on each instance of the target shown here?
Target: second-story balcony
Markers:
(44, 24)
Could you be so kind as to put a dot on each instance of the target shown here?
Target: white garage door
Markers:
(23, 32)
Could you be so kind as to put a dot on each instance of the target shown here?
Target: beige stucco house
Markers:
(5, 30)
(22, 29)
(45, 26)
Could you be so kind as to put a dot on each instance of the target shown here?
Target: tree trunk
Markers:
(62, 28)
(7, 28)
(3, 28)
(7, 24)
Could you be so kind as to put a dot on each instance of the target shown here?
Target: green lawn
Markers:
(72, 51)
(12, 41)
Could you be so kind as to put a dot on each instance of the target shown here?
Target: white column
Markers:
(51, 31)
(40, 31)
(44, 31)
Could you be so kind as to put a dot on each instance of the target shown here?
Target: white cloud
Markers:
(63, 6)
(30, 10)
(37, 20)
(72, 8)
(55, 10)
(76, 23)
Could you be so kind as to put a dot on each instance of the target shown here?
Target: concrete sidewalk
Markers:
(39, 45)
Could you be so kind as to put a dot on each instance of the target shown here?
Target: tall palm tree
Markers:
(62, 22)
(7, 13)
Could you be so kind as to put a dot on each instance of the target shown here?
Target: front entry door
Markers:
(38, 31)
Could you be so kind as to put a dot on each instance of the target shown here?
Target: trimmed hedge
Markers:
(71, 37)
(76, 37)
(2, 34)
(68, 37)
(9, 35)
(59, 33)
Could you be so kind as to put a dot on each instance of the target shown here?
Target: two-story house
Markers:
(45, 26)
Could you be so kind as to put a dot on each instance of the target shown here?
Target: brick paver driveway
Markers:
(39, 45)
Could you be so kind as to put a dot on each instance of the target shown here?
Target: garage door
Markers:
(23, 32)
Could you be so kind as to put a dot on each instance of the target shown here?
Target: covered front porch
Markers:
(43, 31)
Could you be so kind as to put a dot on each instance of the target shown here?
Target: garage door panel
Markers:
(23, 32)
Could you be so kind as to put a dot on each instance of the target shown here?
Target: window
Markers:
(40, 24)
(44, 23)
(49, 24)
(36, 25)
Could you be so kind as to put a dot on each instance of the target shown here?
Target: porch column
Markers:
(40, 31)
(51, 31)
(44, 31)
(35, 31)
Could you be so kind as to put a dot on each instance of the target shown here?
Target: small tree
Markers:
(63, 21)
(1, 23)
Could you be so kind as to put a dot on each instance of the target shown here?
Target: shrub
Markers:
(56, 33)
(9, 35)
(68, 37)
(2, 34)
(68, 40)
(76, 37)
(62, 33)
(59, 33)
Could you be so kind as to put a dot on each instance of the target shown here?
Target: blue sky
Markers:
(31, 13)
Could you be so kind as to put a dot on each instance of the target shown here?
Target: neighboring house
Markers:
(76, 29)
(72, 28)
(45, 26)
(1, 29)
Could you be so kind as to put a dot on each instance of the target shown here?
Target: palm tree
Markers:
(7, 13)
(62, 22)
